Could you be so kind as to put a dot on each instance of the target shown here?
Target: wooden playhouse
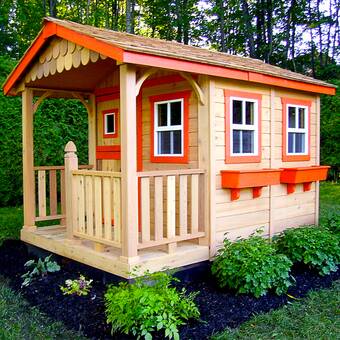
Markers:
(185, 144)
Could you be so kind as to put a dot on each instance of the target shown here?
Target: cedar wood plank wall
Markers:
(244, 216)
(114, 165)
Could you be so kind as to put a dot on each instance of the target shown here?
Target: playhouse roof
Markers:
(130, 48)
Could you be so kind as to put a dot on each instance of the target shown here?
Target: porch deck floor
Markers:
(54, 239)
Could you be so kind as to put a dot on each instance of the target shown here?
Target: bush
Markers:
(332, 222)
(252, 266)
(315, 246)
(150, 304)
(56, 122)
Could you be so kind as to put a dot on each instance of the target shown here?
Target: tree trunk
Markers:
(130, 11)
(248, 27)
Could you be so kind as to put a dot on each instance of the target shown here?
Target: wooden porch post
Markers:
(71, 163)
(92, 131)
(28, 159)
(129, 181)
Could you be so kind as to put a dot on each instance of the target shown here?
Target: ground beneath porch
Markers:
(219, 308)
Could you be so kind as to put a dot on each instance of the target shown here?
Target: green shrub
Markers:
(252, 266)
(332, 222)
(150, 304)
(315, 246)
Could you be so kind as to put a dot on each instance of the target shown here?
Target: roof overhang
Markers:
(51, 29)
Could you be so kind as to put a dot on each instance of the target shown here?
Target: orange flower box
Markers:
(305, 175)
(256, 179)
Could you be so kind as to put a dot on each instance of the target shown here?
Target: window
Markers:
(295, 129)
(110, 123)
(242, 127)
(170, 127)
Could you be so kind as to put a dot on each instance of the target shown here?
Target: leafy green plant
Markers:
(80, 287)
(332, 222)
(40, 268)
(149, 304)
(252, 266)
(315, 246)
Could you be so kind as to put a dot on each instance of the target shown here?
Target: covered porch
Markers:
(114, 221)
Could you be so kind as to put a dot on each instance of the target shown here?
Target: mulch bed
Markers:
(220, 308)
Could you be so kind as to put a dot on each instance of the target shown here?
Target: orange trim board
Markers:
(220, 71)
(108, 152)
(185, 95)
(244, 95)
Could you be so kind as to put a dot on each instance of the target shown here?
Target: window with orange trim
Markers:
(169, 126)
(110, 123)
(242, 127)
(296, 130)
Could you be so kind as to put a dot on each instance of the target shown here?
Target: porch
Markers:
(88, 205)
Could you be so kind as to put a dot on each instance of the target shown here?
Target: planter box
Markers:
(305, 175)
(256, 179)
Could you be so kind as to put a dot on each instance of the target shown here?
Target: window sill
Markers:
(169, 159)
(242, 159)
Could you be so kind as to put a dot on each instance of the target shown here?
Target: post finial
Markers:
(70, 147)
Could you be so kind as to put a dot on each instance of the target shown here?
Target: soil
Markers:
(220, 308)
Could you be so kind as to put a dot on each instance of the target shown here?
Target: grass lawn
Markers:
(20, 321)
(316, 317)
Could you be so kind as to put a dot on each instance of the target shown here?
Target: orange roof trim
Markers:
(139, 50)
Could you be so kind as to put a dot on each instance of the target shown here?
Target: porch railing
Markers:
(96, 212)
(50, 185)
(171, 207)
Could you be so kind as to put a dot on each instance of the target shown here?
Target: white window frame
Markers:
(304, 130)
(244, 126)
(105, 123)
(168, 127)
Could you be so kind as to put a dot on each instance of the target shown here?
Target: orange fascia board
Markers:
(183, 65)
(291, 84)
(220, 71)
(52, 29)
(48, 30)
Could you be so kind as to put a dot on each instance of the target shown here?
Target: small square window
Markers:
(110, 121)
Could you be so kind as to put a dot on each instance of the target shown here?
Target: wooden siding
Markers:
(274, 210)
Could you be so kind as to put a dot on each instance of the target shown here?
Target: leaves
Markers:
(315, 246)
(252, 266)
(150, 304)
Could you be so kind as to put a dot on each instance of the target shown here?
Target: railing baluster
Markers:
(89, 205)
(171, 206)
(194, 203)
(183, 204)
(53, 192)
(42, 193)
(81, 203)
(107, 208)
(145, 207)
(158, 198)
(98, 207)
(116, 209)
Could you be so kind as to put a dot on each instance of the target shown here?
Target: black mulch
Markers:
(219, 308)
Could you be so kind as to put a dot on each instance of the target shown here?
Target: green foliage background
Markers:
(55, 123)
